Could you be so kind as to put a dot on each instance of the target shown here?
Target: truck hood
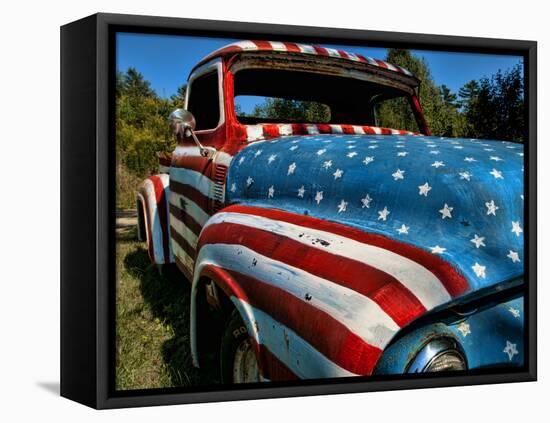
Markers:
(461, 199)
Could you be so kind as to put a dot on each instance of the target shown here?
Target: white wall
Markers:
(29, 280)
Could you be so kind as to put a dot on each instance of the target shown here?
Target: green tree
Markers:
(179, 98)
(291, 110)
(449, 98)
(495, 106)
(438, 103)
(468, 92)
(135, 84)
(141, 131)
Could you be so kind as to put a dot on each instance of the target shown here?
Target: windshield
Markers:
(284, 96)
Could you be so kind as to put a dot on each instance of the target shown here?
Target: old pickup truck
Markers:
(335, 248)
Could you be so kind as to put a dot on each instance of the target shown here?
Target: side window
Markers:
(204, 101)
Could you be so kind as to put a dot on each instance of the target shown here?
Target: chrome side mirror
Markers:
(183, 124)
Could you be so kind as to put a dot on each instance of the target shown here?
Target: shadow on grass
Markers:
(168, 296)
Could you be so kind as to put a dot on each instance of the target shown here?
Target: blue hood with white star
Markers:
(459, 198)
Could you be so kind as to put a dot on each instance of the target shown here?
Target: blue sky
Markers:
(166, 60)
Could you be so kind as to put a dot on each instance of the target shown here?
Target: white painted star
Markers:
(368, 159)
(350, 147)
(511, 350)
(495, 158)
(294, 147)
(319, 197)
(424, 189)
(434, 151)
(352, 154)
(271, 158)
(491, 208)
(342, 206)
(338, 173)
(327, 164)
(465, 175)
(458, 147)
(301, 191)
(470, 159)
(398, 174)
(516, 228)
(403, 229)
(233, 187)
(446, 211)
(514, 256)
(366, 201)
(497, 174)
(257, 153)
(489, 149)
(479, 270)
(249, 181)
(241, 160)
(270, 192)
(438, 250)
(321, 151)
(464, 329)
(437, 164)
(291, 168)
(402, 154)
(515, 312)
(383, 214)
(478, 241)
(372, 147)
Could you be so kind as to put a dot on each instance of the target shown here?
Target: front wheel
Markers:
(238, 360)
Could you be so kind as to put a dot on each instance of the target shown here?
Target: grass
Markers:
(152, 322)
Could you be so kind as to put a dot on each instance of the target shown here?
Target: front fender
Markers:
(320, 298)
(152, 198)
(233, 291)
(492, 336)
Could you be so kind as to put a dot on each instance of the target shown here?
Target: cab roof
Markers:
(302, 49)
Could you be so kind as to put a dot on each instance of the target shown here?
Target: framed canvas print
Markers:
(256, 211)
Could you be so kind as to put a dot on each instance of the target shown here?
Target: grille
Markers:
(220, 172)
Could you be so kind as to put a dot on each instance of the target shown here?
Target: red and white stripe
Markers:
(294, 48)
(332, 295)
(192, 192)
(264, 131)
(165, 161)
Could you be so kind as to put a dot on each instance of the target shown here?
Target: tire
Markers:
(238, 362)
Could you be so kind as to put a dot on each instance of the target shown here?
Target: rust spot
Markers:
(308, 296)
(322, 242)
(254, 262)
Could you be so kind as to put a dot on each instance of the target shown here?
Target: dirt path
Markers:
(125, 220)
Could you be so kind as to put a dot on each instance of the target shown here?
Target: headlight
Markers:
(439, 355)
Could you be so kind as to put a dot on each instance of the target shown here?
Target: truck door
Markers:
(196, 182)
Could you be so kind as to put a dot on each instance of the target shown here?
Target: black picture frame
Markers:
(87, 205)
